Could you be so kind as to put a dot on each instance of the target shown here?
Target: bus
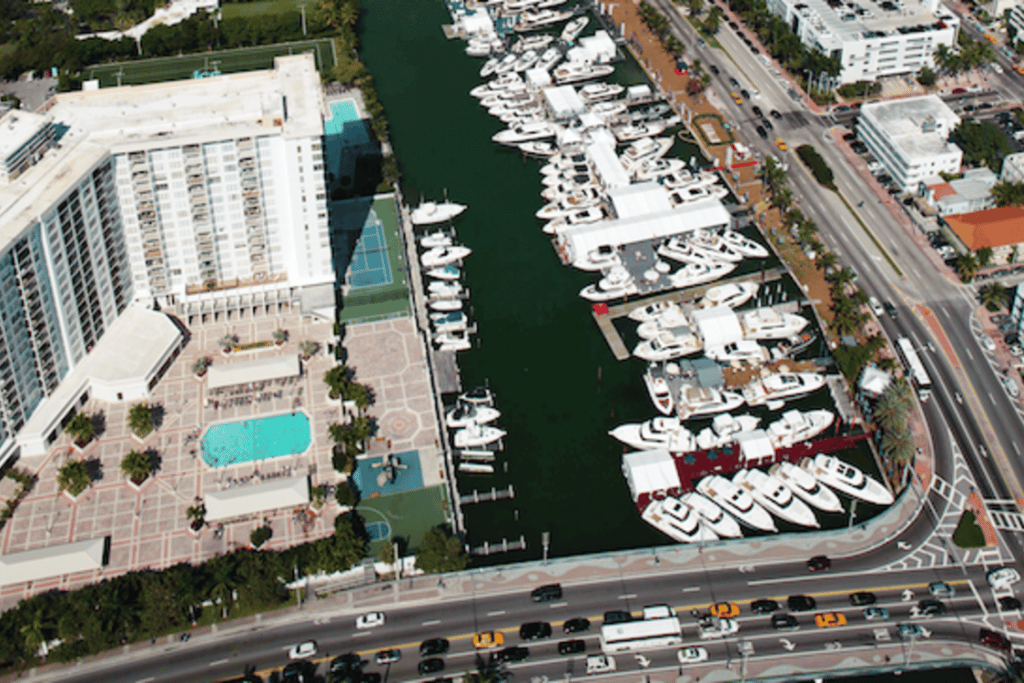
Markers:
(658, 629)
(918, 376)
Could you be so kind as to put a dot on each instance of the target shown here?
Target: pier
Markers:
(503, 547)
(493, 494)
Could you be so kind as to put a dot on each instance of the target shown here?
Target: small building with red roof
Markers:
(1001, 229)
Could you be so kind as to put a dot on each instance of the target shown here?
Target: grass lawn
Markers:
(968, 534)
(252, 9)
(163, 69)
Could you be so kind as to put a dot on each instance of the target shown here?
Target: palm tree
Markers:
(35, 631)
(221, 581)
(136, 466)
(227, 342)
(782, 199)
(280, 336)
(772, 175)
(336, 379)
(140, 420)
(713, 19)
(994, 296)
(1008, 193)
(80, 429)
(695, 7)
(196, 515)
(898, 445)
(307, 348)
(807, 230)
(490, 670)
(902, 393)
(840, 277)
(966, 267)
(793, 218)
(825, 260)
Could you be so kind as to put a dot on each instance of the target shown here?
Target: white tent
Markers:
(247, 500)
(259, 370)
(718, 325)
(52, 561)
(755, 445)
(647, 471)
(563, 102)
(639, 199)
(607, 166)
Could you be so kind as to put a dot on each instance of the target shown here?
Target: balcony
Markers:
(146, 216)
(200, 217)
(145, 206)
(252, 211)
(247, 164)
(153, 254)
(141, 173)
(250, 192)
(193, 180)
(252, 202)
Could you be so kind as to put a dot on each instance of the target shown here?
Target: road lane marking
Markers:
(627, 596)
(558, 604)
(1014, 444)
(432, 622)
(496, 614)
(145, 680)
(219, 662)
(691, 589)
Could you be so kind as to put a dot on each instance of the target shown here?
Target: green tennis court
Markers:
(407, 515)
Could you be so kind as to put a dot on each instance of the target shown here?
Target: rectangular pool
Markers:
(233, 443)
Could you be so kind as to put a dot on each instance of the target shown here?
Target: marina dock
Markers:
(503, 547)
(493, 494)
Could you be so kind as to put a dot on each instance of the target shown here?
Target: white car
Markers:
(996, 67)
(370, 620)
(716, 627)
(600, 664)
(303, 650)
(987, 342)
(1000, 579)
(692, 655)
(876, 306)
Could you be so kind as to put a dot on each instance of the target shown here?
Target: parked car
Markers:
(545, 593)
(571, 647)
(1009, 603)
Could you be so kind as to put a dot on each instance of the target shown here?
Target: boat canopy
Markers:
(563, 102)
(755, 446)
(648, 471)
(718, 325)
(639, 199)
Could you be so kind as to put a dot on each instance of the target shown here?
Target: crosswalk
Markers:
(1006, 521)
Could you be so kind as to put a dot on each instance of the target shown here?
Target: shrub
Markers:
(73, 477)
(345, 496)
(140, 420)
(259, 536)
(822, 173)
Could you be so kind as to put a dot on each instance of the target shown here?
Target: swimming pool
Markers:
(232, 443)
(347, 124)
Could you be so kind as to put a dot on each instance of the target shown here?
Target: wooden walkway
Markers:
(493, 494)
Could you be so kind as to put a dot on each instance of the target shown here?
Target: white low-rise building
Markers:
(910, 138)
(1015, 23)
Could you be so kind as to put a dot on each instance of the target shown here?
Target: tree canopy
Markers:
(982, 143)
(441, 552)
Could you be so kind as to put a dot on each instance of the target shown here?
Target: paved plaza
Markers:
(148, 527)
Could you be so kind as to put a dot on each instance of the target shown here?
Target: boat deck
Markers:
(737, 377)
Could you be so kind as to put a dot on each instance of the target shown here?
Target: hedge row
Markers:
(822, 173)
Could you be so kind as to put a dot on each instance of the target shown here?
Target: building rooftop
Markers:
(249, 500)
(989, 228)
(16, 128)
(920, 126)
(851, 20)
(55, 560)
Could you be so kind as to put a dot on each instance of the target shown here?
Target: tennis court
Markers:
(368, 265)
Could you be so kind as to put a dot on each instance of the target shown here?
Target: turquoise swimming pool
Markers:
(232, 443)
(347, 124)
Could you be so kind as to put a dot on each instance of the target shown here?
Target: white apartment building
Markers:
(871, 38)
(1015, 23)
(221, 186)
(910, 137)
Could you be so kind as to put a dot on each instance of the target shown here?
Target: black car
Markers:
(932, 607)
(545, 593)
(571, 647)
(434, 646)
(713, 69)
(744, 94)
(515, 653)
(734, 26)
(762, 132)
(763, 606)
(819, 563)
(734, 83)
(535, 630)
(370, 677)
(767, 124)
(850, 137)
(801, 603)
(785, 622)
(757, 111)
(345, 667)
(775, 114)
(431, 666)
(1009, 602)
(576, 625)
(861, 598)
(617, 617)
(297, 672)
(885, 178)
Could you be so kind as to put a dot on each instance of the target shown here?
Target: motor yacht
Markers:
(538, 148)
(442, 256)
(712, 516)
(573, 29)
(644, 149)
(479, 47)
(780, 386)
(677, 521)
(466, 414)
(518, 118)
(478, 396)
(668, 344)
(526, 60)
(846, 478)
(502, 98)
(570, 203)
(454, 321)
(806, 487)
(538, 130)
(590, 214)
(653, 168)
(742, 351)
(651, 113)
(744, 245)
(723, 430)
(449, 272)
(790, 346)
(510, 111)
(445, 305)
(672, 316)
(698, 273)
(508, 82)
(476, 467)
(617, 282)
(713, 245)
(731, 294)
(651, 311)
(549, 58)
(595, 92)
(795, 427)
(490, 65)
(566, 188)
(607, 109)
(428, 213)
(537, 42)
(774, 496)
(697, 401)
(513, 6)
(577, 72)
(440, 238)
(685, 195)
(507, 64)
(679, 250)
(736, 501)
(443, 289)
(658, 432)
(641, 129)
(659, 391)
(531, 20)
(603, 256)
(477, 435)
(767, 323)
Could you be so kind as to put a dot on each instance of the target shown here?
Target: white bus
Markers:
(918, 375)
(660, 628)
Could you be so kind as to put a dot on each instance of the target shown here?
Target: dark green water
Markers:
(557, 384)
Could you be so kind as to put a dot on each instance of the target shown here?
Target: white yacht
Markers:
(476, 467)
(660, 393)
(523, 133)
(537, 42)
(795, 427)
(507, 97)
(713, 245)
(466, 414)
(445, 305)
(697, 401)
(723, 430)
(731, 294)
(481, 396)
(742, 351)
(512, 6)
(453, 321)
(774, 496)
(655, 168)
(535, 20)
(671, 317)
(428, 213)
(449, 272)
(658, 432)
(736, 501)
(567, 204)
(651, 311)
(507, 83)
(521, 116)
(644, 149)
(847, 479)
(477, 435)
(443, 289)
(576, 72)
(573, 29)
(679, 250)
(538, 148)
(442, 256)
(521, 108)
(677, 521)
(640, 129)
(698, 273)
(549, 58)
(481, 47)
(712, 515)
(744, 245)
(790, 346)
(780, 386)
(608, 109)
(668, 344)
(526, 60)
(617, 282)
(767, 323)
(453, 341)
(603, 256)
(595, 92)
(490, 65)
(439, 238)
(691, 193)
(806, 487)
(565, 188)
(589, 214)
(507, 64)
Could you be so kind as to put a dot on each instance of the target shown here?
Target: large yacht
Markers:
(736, 501)
(602, 256)
(780, 386)
(847, 479)
(595, 92)
(767, 323)
(744, 245)
(795, 426)
(643, 150)
(428, 213)
(617, 282)
(723, 430)
(713, 245)
(658, 432)
(658, 390)
(466, 414)
(442, 256)
(697, 401)
(668, 344)
(698, 273)
(677, 521)
(534, 20)
(477, 435)
(774, 496)
(581, 216)
(742, 351)
(677, 249)
(534, 130)
(712, 515)
(671, 317)
(576, 72)
(731, 294)
(806, 487)
(654, 168)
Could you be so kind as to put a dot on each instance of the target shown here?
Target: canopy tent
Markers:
(647, 471)
(52, 561)
(718, 325)
(260, 370)
(248, 500)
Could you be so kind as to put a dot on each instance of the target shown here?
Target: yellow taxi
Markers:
(736, 98)
(780, 143)
(1019, 69)
(991, 39)
(830, 619)
(725, 610)
(488, 639)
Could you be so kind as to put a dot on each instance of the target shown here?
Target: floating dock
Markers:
(493, 494)
(503, 547)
